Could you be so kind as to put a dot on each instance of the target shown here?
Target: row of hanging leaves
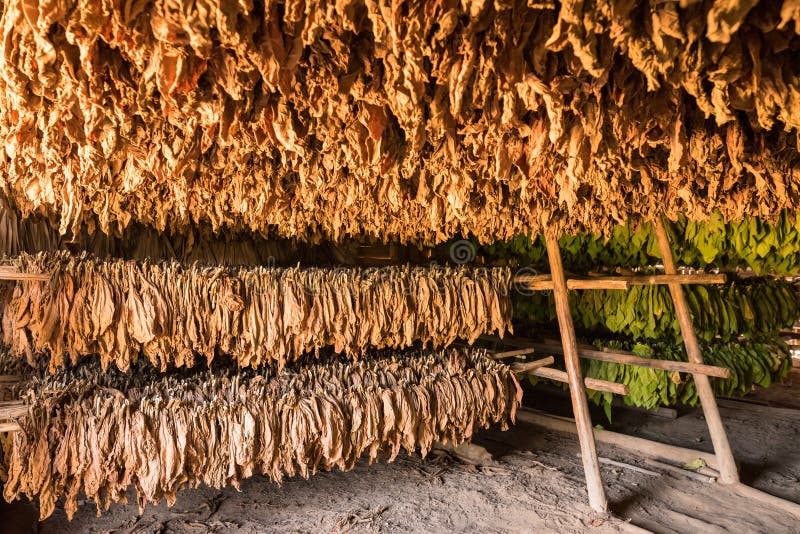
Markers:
(747, 243)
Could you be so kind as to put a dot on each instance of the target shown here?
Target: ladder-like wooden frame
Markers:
(561, 286)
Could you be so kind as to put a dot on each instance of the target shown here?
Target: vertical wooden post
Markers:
(722, 449)
(580, 407)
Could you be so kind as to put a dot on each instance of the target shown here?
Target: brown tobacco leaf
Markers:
(406, 121)
(97, 433)
(174, 314)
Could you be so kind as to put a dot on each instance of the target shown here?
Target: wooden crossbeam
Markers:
(539, 368)
(621, 357)
(12, 409)
(544, 282)
(642, 446)
(683, 279)
(12, 273)
(527, 367)
(589, 383)
(650, 363)
(722, 448)
(513, 353)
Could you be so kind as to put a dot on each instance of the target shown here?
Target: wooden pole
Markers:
(544, 282)
(621, 357)
(722, 448)
(663, 279)
(527, 367)
(580, 407)
(12, 409)
(644, 447)
(612, 282)
(512, 353)
(589, 383)
(650, 363)
(11, 273)
(9, 427)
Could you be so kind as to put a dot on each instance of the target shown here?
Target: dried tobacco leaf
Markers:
(400, 120)
(97, 433)
(173, 314)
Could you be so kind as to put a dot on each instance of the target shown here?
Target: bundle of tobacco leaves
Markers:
(96, 433)
(411, 121)
(173, 313)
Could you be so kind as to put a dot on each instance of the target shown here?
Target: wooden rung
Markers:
(544, 282)
(589, 383)
(10, 379)
(650, 363)
(627, 358)
(644, 447)
(513, 353)
(610, 282)
(533, 279)
(530, 366)
(662, 279)
(12, 409)
(9, 427)
(11, 273)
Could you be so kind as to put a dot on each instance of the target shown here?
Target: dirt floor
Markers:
(536, 485)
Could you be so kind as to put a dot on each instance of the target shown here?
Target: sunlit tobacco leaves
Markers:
(411, 121)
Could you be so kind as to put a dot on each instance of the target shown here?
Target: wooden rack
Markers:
(11, 410)
(12, 273)
(572, 352)
(539, 368)
(561, 285)
(606, 355)
(544, 282)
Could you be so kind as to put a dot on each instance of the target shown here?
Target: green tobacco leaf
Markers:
(696, 464)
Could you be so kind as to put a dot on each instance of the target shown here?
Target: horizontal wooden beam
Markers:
(12, 273)
(527, 367)
(9, 427)
(589, 383)
(12, 409)
(651, 363)
(684, 279)
(623, 357)
(610, 282)
(543, 282)
(641, 446)
(513, 353)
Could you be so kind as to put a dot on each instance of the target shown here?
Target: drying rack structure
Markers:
(560, 285)
(572, 352)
